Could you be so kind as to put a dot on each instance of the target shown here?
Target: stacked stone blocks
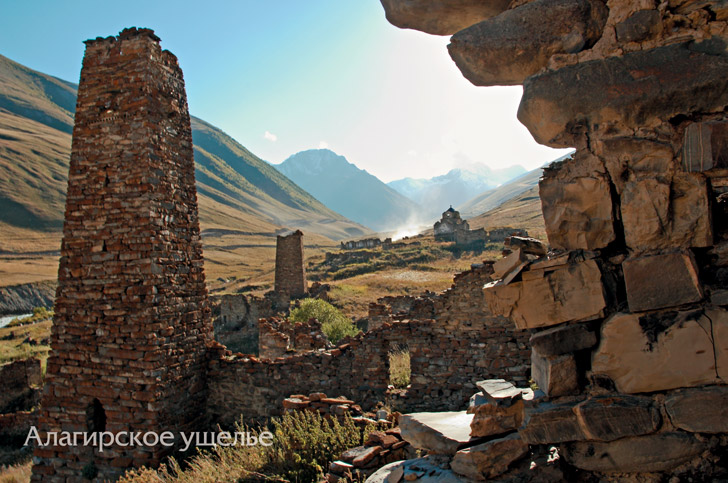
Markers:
(131, 316)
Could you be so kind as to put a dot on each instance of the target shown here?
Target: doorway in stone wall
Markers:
(400, 369)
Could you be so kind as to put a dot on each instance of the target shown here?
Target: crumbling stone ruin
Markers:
(21, 382)
(290, 278)
(448, 355)
(365, 243)
(628, 311)
(278, 338)
(131, 318)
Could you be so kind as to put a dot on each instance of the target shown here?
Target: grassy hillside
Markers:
(522, 211)
(239, 195)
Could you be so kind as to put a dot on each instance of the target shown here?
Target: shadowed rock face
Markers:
(440, 17)
(507, 49)
(632, 297)
(625, 92)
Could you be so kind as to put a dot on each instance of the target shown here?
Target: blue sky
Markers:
(281, 76)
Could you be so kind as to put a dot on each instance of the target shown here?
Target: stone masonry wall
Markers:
(628, 311)
(290, 277)
(448, 355)
(131, 315)
(20, 381)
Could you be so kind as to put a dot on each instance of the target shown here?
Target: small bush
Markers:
(304, 445)
(334, 324)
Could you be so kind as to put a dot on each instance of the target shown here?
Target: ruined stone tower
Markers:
(290, 274)
(131, 317)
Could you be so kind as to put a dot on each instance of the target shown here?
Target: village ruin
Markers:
(622, 325)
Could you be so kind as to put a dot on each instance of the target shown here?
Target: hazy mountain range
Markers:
(348, 190)
(456, 187)
(236, 190)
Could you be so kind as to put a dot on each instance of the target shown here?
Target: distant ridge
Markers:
(454, 188)
(351, 191)
(236, 189)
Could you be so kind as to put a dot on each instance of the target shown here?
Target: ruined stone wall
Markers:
(628, 311)
(20, 380)
(448, 356)
(131, 315)
(279, 338)
(290, 277)
(237, 325)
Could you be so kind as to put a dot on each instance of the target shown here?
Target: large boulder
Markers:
(677, 284)
(518, 43)
(656, 352)
(440, 17)
(655, 452)
(699, 410)
(488, 460)
(662, 212)
(550, 296)
(629, 91)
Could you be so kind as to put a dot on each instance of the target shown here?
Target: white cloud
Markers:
(270, 136)
(323, 145)
(411, 152)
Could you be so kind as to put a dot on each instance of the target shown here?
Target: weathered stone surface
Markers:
(529, 246)
(660, 281)
(508, 263)
(664, 212)
(555, 375)
(639, 26)
(705, 146)
(655, 452)
(629, 90)
(430, 469)
(719, 323)
(578, 211)
(438, 433)
(500, 392)
(518, 43)
(699, 410)
(612, 417)
(656, 351)
(490, 459)
(440, 17)
(551, 423)
(563, 340)
(490, 419)
(550, 297)
(628, 159)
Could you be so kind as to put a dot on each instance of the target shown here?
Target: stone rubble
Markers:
(628, 308)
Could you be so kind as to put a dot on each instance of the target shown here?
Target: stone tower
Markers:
(290, 273)
(131, 316)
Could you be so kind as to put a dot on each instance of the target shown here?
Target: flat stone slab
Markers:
(656, 452)
(422, 470)
(438, 433)
(699, 410)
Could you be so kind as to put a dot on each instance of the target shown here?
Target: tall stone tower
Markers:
(132, 320)
(290, 273)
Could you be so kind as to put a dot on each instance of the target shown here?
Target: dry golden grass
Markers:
(523, 211)
(15, 348)
(16, 473)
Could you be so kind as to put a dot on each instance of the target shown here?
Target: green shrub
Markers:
(306, 442)
(303, 446)
(334, 324)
